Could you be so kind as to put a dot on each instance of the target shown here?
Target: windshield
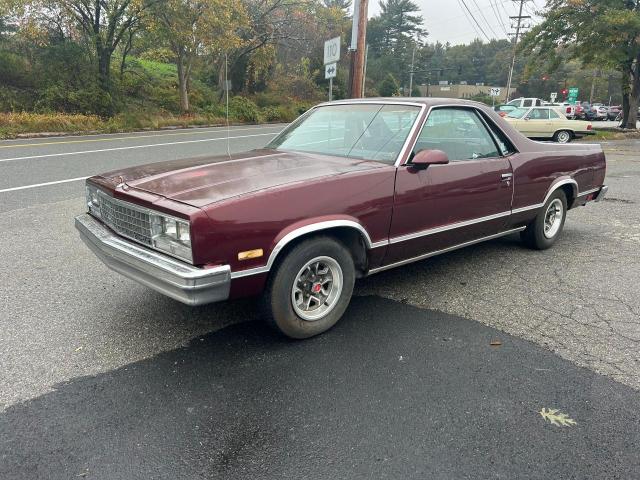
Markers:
(366, 131)
(518, 113)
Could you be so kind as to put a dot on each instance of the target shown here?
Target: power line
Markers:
(476, 21)
(468, 19)
(484, 18)
(497, 14)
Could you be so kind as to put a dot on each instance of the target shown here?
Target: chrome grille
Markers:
(126, 219)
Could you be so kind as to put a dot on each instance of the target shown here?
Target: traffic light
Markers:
(565, 91)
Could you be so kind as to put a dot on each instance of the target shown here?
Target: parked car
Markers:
(547, 123)
(584, 112)
(613, 112)
(599, 111)
(504, 109)
(349, 189)
(525, 102)
(568, 109)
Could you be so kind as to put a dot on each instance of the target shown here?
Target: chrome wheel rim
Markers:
(553, 218)
(317, 288)
(563, 137)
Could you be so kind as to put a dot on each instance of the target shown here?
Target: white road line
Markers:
(36, 185)
(31, 157)
(144, 133)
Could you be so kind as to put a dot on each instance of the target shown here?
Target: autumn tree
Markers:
(197, 27)
(105, 23)
(599, 32)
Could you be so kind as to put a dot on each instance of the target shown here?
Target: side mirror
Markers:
(424, 158)
(527, 118)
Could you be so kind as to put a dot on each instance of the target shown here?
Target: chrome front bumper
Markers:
(178, 280)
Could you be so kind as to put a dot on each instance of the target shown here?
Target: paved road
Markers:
(64, 162)
(393, 392)
(102, 374)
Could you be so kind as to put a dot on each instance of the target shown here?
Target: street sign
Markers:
(554, 97)
(332, 50)
(330, 70)
(494, 92)
(573, 94)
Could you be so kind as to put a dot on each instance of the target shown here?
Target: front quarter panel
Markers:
(262, 219)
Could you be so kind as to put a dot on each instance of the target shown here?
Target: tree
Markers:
(396, 26)
(597, 32)
(389, 87)
(197, 27)
(105, 22)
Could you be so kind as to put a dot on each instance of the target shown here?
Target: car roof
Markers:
(428, 101)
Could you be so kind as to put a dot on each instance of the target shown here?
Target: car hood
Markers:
(205, 180)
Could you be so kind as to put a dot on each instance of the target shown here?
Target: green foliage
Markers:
(482, 98)
(596, 32)
(243, 109)
(389, 87)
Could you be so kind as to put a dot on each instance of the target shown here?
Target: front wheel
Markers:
(543, 232)
(311, 288)
(563, 136)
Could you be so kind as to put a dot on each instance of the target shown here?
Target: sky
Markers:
(449, 21)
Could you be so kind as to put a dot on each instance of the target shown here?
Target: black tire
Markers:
(534, 235)
(563, 136)
(278, 300)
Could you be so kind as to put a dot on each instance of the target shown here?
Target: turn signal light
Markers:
(257, 253)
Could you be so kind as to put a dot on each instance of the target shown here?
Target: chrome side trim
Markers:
(444, 228)
(381, 243)
(526, 209)
(587, 192)
(444, 250)
(314, 227)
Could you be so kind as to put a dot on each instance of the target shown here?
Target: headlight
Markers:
(93, 200)
(172, 236)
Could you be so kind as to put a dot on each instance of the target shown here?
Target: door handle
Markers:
(506, 176)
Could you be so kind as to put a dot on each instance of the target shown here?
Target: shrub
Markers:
(243, 109)
(389, 86)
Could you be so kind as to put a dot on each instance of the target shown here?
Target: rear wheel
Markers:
(543, 232)
(563, 136)
(311, 288)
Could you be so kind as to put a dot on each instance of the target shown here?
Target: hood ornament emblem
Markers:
(122, 184)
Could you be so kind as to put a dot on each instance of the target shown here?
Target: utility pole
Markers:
(596, 73)
(357, 56)
(413, 59)
(518, 28)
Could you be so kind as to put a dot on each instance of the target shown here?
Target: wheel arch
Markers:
(351, 233)
(568, 185)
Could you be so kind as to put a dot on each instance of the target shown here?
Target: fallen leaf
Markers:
(557, 418)
(495, 343)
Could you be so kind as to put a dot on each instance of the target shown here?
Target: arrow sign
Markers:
(330, 70)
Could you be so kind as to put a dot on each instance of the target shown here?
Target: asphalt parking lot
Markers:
(102, 378)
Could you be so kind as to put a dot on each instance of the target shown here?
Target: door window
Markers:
(539, 114)
(527, 103)
(553, 114)
(459, 133)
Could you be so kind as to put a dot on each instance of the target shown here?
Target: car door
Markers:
(445, 205)
(536, 123)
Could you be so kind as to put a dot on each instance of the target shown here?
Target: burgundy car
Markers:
(349, 189)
